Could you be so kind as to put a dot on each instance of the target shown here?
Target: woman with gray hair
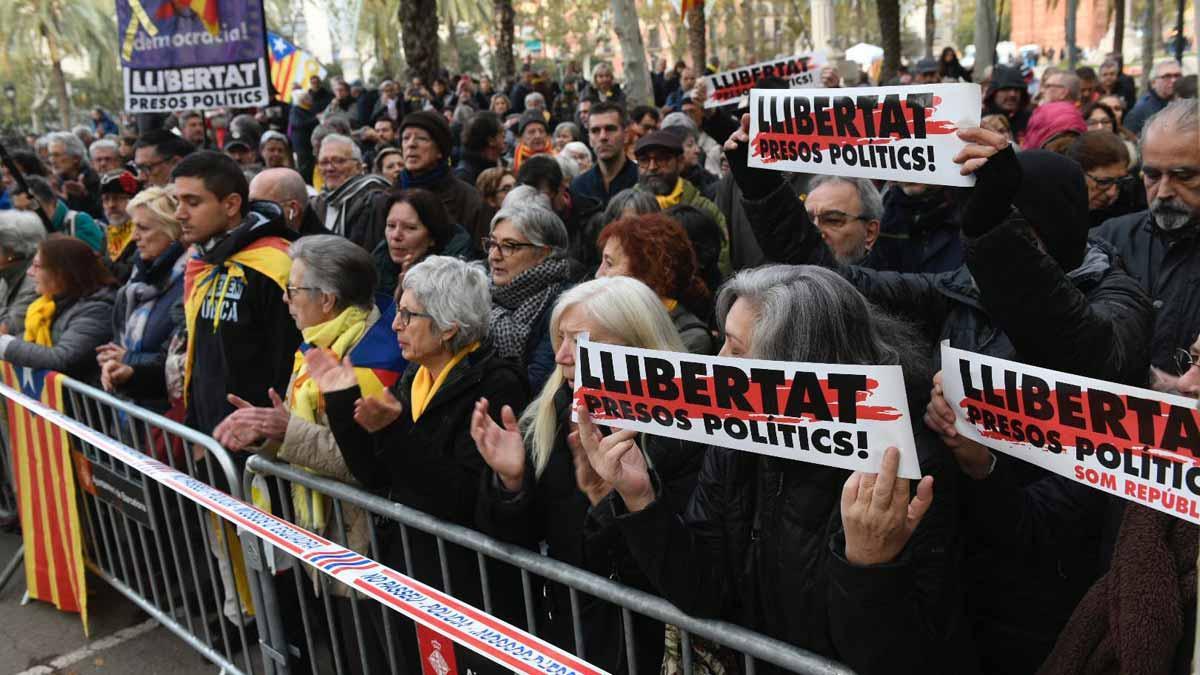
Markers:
(413, 442)
(331, 296)
(20, 234)
(812, 555)
(527, 255)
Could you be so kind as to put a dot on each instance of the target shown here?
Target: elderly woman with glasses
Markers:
(331, 296)
(20, 234)
(526, 253)
(413, 442)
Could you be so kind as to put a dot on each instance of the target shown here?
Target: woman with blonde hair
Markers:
(142, 319)
(539, 492)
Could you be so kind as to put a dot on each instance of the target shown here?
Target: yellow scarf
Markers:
(424, 386)
(305, 401)
(670, 304)
(667, 201)
(38, 320)
(268, 256)
(118, 237)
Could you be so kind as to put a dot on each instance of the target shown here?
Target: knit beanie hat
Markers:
(435, 125)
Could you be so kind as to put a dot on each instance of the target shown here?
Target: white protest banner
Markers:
(1134, 443)
(830, 414)
(731, 86)
(889, 133)
(503, 643)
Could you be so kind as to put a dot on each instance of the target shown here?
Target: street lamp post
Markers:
(10, 93)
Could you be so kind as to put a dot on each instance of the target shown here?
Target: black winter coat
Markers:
(149, 362)
(761, 544)
(1167, 264)
(1012, 301)
(550, 508)
(432, 465)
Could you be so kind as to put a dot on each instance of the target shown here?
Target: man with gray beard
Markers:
(1161, 246)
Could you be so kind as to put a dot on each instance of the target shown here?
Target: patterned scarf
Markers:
(117, 238)
(141, 295)
(38, 320)
(524, 152)
(517, 305)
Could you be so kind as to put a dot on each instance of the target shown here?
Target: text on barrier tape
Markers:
(499, 641)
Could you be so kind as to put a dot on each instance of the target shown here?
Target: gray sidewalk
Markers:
(38, 639)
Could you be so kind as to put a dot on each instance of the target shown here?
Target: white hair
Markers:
(70, 142)
(103, 144)
(339, 139)
(525, 195)
(629, 311)
(454, 293)
(20, 233)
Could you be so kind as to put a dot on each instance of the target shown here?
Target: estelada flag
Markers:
(290, 66)
(44, 477)
(207, 10)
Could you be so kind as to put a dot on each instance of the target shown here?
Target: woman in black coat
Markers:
(536, 494)
(412, 443)
(844, 565)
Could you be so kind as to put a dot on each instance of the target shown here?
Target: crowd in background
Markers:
(385, 286)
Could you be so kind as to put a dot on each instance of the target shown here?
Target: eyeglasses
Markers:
(404, 317)
(506, 248)
(833, 218)
(1105, 183)
(292, 290)
(147, 168)
(335, 161)
(1184, 361)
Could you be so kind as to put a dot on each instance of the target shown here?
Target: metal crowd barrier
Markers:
(751, 646)
(181, 564)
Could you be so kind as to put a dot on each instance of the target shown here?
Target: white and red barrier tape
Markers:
(499, 641)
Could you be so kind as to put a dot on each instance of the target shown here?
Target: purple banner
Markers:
(192, 54)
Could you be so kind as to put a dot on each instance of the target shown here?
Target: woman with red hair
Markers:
(655, 249)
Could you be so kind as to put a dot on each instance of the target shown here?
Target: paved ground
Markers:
(37, 639)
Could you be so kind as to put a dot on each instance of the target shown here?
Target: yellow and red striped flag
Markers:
(290, 66)
(45, 480)
(207, 11)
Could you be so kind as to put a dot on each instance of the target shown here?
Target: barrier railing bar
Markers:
(444, 563)
(630, 647)
(685, 651)
(576, 622)
(730, 635)
(527, 594)
(484, 582)
(299, 576)
(377, 554)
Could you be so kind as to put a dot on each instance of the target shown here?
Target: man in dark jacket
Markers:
(1008, 95)
(613, 171)
(302, 121)
(1033, 290)
(1161, 246)
(347, 204)
(241, 338)
(483, 145)
(919, 231)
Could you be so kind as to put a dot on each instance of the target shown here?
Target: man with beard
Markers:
(116, 189)
(1008, 96)
(660, 165)
(1161, 246)
(613, 171)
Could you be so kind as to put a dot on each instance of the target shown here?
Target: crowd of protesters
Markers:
(385, 286)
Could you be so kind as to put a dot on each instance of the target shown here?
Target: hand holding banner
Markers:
(1137, 444)
(889, 133)
(829, 414)
(732, 86)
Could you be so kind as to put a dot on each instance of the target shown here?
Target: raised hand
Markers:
(501, 447)
(376, 412)
(589, 482)
(109, 352)
(982, 144)
(877, 515)
(973, 458)
(618, 460)
(324, 369)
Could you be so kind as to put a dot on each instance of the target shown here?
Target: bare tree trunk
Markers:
(889, 30)
(637, 70)
(60, 78)
(503, 17)
(454, 59)
(750, 54)
(1148, 39)
(986, 24)
(1072, 12)
(419, 32)
(1119, 27)
(930, 26)
(697, 44)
